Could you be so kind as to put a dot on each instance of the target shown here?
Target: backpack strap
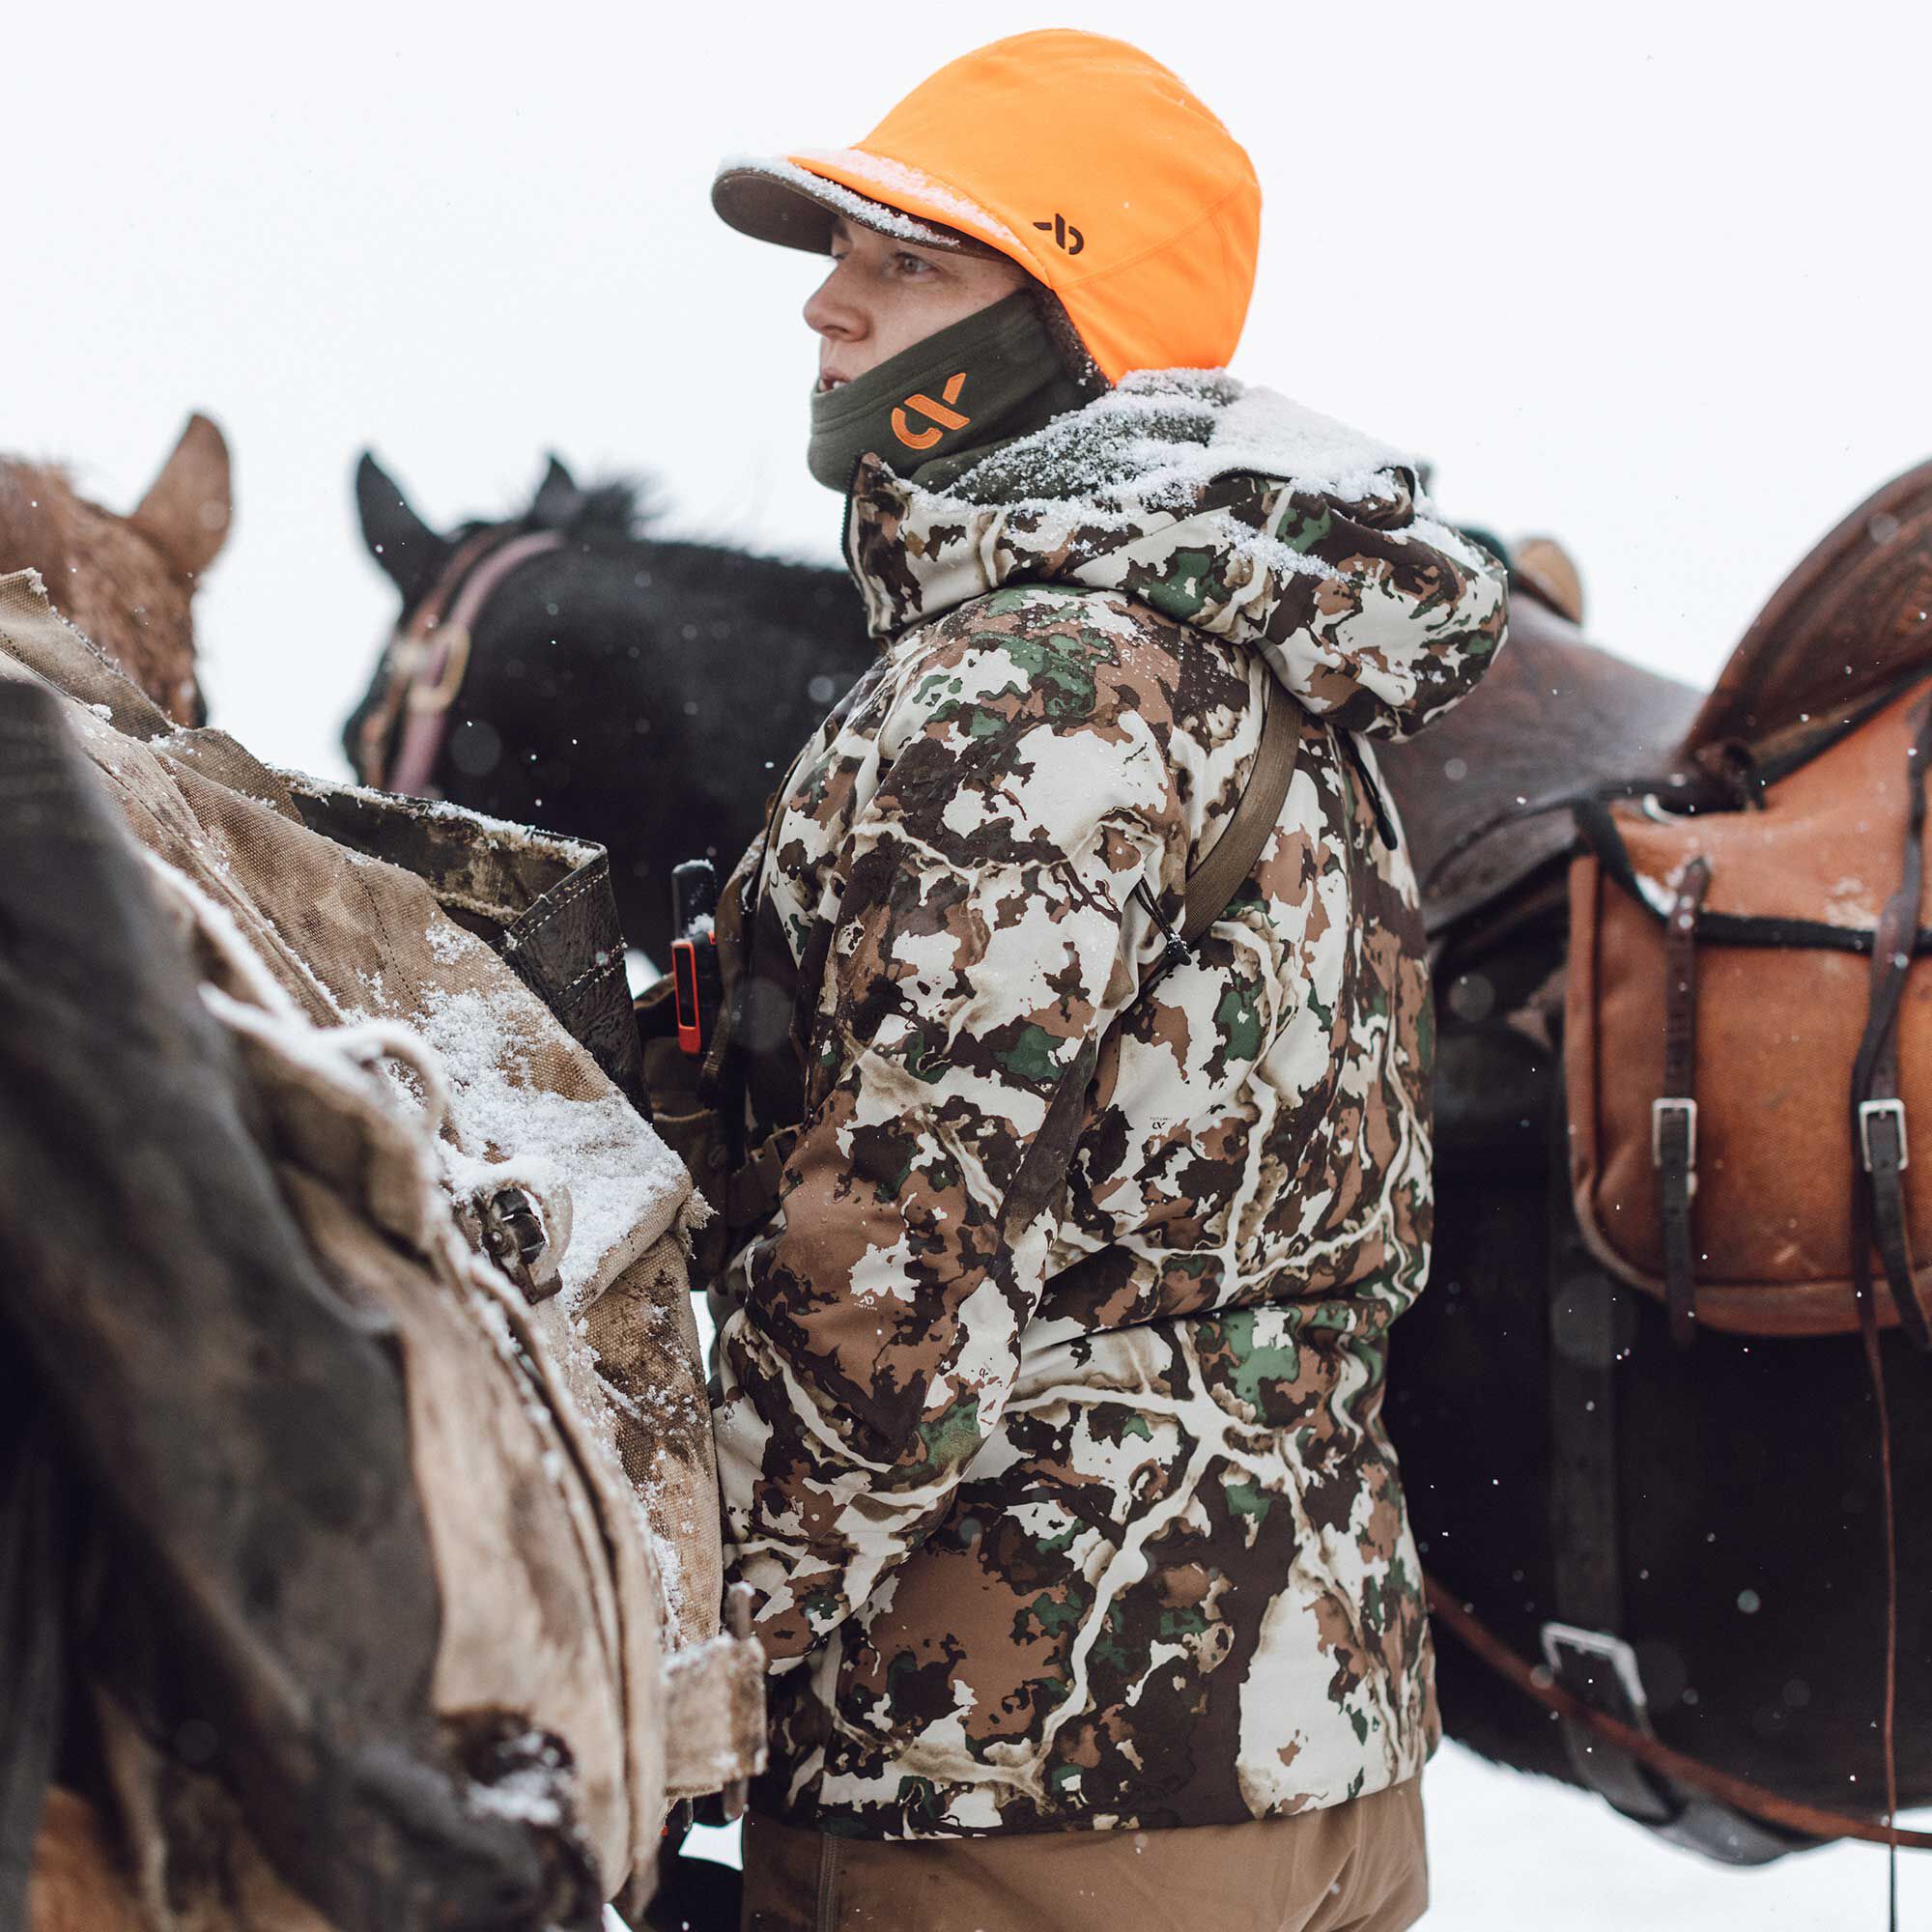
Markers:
(1232, 856)
(753, 1190)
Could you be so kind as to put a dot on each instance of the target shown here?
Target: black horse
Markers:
(1748, 1522)
(626, 688)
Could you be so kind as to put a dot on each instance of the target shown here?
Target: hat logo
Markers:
(942, 415)
(1065, 234)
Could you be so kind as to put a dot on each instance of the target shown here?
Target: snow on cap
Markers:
(1079, 157)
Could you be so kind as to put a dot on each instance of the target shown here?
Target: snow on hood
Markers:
(1233, 509)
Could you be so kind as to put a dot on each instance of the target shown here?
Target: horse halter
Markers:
(429, 656)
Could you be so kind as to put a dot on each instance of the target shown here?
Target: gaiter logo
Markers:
(943, 414)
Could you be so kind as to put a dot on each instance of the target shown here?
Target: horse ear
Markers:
(559, 499)
(185, 513)
(412, 553)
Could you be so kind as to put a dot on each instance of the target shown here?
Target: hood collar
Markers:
(1213, 503)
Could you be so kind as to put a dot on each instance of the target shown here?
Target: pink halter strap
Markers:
(434, 662)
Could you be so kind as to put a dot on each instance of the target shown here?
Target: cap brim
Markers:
(776, 200)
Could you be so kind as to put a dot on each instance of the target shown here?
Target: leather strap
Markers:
(1582, 1645)
(1883, 1151)
(436, 668)
(1234, 855)
(1583, 1508)
(405, 653)
(1878, 1202)
(1811, 1821)
(1584, 1516)
(1881, 1415)
(753, 1190)
(1674, 1116)
(1880, 1149)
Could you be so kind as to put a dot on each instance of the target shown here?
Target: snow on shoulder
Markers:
(1163, 436)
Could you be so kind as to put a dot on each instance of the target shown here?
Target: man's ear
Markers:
(412, 553)
(558, 500)
(186, 510)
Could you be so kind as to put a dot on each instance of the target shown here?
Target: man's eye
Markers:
(912, 265)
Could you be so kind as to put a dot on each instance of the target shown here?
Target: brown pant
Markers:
(1354, 1867)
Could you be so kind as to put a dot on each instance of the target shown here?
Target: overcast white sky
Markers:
(1656, 280)
(1655, 277)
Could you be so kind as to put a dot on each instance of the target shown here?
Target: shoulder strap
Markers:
(1222, 874)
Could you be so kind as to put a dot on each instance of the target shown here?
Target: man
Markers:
(1048, 1406)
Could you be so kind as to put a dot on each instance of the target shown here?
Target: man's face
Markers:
(884, 294)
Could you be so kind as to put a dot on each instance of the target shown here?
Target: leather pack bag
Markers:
(1748, 1035)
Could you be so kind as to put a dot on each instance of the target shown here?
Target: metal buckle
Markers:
(1869, 1111)
(515, 1238)
(1592, 1648)
(1658, 812)
(1687, 1109)
(447, 648)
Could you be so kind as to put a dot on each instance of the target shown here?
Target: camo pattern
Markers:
(1048, 1408)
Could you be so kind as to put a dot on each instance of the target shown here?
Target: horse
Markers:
(619, 685)
(1746, 1527)
(127, 581)
(1753, 1612)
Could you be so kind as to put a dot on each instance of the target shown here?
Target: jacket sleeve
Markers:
(975, 961)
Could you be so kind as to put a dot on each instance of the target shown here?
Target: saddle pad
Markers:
(1780, 1011)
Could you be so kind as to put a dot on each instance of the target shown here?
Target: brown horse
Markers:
(127, 581)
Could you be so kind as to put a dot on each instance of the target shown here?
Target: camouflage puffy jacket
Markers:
(1048, 1412)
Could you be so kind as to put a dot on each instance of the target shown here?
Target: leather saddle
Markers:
(1554, 713)
(1557, 715)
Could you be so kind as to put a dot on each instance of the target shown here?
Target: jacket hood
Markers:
(1225, 507)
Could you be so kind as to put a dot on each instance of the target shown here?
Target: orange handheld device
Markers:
(693, 953)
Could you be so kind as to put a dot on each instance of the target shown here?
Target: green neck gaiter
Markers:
(934, 409)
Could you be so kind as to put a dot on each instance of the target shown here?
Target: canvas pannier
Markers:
(529, 1665)
(1748, 1033)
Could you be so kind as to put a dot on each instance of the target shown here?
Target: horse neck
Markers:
(775, 591)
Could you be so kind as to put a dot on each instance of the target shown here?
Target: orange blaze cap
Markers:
(1077, 156)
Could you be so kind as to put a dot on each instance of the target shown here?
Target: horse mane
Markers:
(615, 506)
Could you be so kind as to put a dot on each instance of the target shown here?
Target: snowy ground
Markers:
(1515, 1854)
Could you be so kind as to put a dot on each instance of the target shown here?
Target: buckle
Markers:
(1686, 1110)
(448, 650)
(1871, 1110)
(1577, 1659)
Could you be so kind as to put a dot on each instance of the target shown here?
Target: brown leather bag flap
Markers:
(1781, 990)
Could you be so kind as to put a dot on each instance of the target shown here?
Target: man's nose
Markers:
(830, 311)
